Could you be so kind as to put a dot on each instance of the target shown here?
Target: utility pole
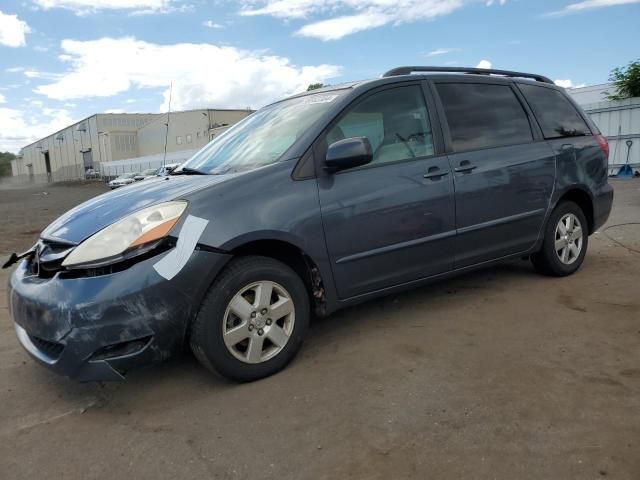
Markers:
(166, 135)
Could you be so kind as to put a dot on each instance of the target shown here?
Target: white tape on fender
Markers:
(190, 233)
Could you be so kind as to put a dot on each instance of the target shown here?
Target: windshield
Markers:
(261, 138)
(128, 175)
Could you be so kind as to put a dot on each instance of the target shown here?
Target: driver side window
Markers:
(395, 121)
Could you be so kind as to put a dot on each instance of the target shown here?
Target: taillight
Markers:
(604, 144)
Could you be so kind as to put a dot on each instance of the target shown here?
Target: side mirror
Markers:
(348, 153)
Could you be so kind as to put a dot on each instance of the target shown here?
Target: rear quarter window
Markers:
(483, 115)
(556, 115)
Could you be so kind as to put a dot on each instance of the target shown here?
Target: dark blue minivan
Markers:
(313, 203)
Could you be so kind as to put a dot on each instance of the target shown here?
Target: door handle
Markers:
(465, 167)
(435, 173)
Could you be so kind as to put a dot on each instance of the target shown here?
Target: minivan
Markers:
(311, 204)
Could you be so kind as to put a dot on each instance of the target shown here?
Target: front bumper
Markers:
(98, 328)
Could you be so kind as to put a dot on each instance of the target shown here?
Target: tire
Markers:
(233, 309)
(566, 260)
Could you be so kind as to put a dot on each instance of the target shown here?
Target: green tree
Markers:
(5, 163)
(626, 81)
(314, 86)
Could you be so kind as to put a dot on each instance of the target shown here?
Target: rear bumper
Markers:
(602, 204)
(99, 328)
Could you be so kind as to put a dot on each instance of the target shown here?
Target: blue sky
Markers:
(62, 60)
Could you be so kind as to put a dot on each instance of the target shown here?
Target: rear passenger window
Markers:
(482, 115)
(556, 115)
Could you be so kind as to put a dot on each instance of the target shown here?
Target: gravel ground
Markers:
(497, 374)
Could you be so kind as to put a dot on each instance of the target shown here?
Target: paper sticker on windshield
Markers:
(311, 99)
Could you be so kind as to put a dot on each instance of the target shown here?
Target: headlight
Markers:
(127, 237)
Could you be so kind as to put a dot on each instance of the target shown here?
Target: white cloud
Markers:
(589, 5)
(13, 30)
(202, 74)
(212, 24)
(336, 28)
(352, 15)
(568, 84)
(484, 64)
(2, 98)
(83, 7)
(18, 129)
(441, 51)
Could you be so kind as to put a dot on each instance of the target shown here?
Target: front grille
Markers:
(47, 258)
(50, 349)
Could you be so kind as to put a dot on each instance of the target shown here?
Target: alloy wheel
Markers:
(568, 239)
(258, 322)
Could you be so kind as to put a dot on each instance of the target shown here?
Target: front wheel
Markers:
(253, 320)
(565, 241)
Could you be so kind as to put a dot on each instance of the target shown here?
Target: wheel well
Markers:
(293, 257)
(584, 202)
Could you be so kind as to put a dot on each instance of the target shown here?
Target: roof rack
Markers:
(476, 71)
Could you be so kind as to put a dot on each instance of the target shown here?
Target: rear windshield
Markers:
(555, 113)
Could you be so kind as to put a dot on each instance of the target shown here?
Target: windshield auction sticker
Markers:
(311, 99)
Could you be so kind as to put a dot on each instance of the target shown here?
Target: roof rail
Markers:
(476, 71)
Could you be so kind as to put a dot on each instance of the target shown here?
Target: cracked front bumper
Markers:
(98, 328)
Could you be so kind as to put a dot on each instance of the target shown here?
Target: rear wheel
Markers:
(565, 241)
(253, 320)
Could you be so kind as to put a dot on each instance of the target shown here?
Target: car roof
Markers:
(434, 73)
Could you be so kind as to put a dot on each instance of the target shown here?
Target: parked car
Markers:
(167, 169)
(314, 203)
(91, 173)
(122, 180)
(148, 173)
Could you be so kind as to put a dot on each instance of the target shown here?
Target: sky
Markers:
(63, 60)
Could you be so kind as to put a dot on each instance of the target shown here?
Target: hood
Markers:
(99, 212)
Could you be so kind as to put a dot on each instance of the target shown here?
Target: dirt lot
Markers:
(497, 374)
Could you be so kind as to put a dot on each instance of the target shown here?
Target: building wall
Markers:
(105, 138)
(101, 138)
(188, 130)
(65, 151)
(121, 140)
(619, 121)
(193, 123)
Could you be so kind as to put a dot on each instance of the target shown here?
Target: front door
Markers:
(391, 221)
(503, 170)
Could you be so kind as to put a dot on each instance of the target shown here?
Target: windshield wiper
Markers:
(188, 171)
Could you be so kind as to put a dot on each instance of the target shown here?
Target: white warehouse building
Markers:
(110, 144)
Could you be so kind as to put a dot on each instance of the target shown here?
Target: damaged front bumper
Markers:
(98, 328)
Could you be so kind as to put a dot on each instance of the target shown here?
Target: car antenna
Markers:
(166, 133)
